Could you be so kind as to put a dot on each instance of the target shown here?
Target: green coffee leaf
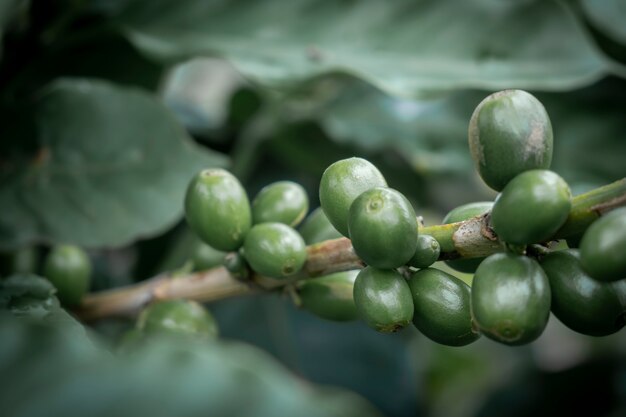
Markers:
(404, 47)
(429, 133)
(52, 374)
(608, 16)
(111, 165)
(31, 297)
(28, 295)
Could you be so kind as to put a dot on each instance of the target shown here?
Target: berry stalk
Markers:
(467, 239)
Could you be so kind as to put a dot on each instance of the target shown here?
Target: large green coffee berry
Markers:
(581, 303)
(274, 250)
(342, 183)
(442, 307)
(509, 133)
(383, 228)
(510, 298)
(426, 253)
(217, 209)
(531, 208)
(383, 299)
(603, 247)
(177, 317)
(331, 296)
(283, 202)
(69, 269)
(459, 214)
(317, 228)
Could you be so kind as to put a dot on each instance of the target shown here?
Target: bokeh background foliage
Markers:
(110, 106)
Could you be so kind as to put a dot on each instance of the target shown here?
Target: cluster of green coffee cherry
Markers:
(512, 294)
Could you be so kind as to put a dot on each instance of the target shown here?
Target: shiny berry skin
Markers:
(68, 267)
(603, 247)
(531, 208)
(283, 202)
(274, 250)
(510, 299)
(341, 183)
(383, 228)
(580, 302)
(177, 317)
(316, 228)
(383, 299)
(509, 133)
(426, 253)
(442, 307)
(217, 209)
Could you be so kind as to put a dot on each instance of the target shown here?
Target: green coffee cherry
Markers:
(383, 228)
(177, 317)
(342, 183)
(236, 264)
(274, 250)
(531, 208)
(317, 228)
(206, 257)
(581, 303)
(217, 209)
(69, 269)
(426, 253)
(331, 296)
(603, 247)
(510, 299)
(282, 202)
(509, 133)
(442, 307)
(383, 299)
(459, 214)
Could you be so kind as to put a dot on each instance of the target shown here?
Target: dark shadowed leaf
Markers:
(379, 367)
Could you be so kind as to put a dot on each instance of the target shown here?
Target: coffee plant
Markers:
(187, 184)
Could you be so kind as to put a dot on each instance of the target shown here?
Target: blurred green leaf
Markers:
(430, 133)
(111, 165)
(52, 374)
(378, 366)
(31, 297)
(404, 47)
(24, 286)
(8, 9)
(199, 93)
(608, 16)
